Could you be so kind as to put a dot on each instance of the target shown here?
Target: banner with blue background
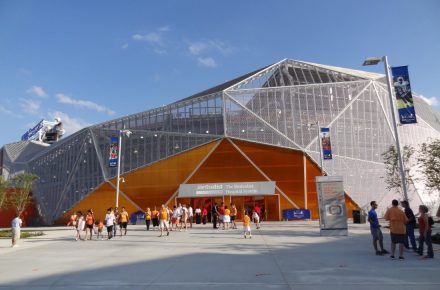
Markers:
(325, 143)
(113, 157)
(404, 99)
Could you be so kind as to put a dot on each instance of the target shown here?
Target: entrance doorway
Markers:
(267, 203)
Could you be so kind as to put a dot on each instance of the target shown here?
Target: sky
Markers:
(92, 61)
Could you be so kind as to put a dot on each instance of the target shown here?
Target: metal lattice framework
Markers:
(273, 106)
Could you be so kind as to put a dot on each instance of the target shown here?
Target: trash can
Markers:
(359, 217)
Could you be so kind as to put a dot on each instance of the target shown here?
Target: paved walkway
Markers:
(281, 255)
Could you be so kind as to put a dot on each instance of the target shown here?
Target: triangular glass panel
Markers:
(291, 109)
(243, 124)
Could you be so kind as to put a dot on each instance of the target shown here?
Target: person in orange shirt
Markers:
(155, 218)
(90, 220)
(398, 221)
(100, 225)
(164, 217)
(247, 225)
(226, 218)
(123, 216)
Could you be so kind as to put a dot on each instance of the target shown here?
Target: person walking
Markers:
(100, 226)
(123, 221)
(80, 225)
(16, 230)
(148, 218)
(410, 226)
(198, 213)
(425, 233)
(164, 217)
(110, 223)
(90, 220)
(256, 213)
(190, 216)
(155, 218)
(214, 214)
(116, 221)
(226, 218)
(375, 230)
(398, 220)
(247, 226)
(233, 216)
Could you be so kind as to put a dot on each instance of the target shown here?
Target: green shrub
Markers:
(23, 235)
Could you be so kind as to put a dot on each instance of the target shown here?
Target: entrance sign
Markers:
(404, 99)
(332, 209)
(222, 189)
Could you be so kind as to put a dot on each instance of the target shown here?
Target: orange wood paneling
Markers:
(226, 164)
(99, 201)
(153, 185)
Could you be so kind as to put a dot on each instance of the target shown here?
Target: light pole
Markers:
(321, 158)
(121, 133)
(374, 61)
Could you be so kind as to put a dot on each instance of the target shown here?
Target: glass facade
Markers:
(273, 106)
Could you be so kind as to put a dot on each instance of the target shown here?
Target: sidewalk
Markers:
(281, 255)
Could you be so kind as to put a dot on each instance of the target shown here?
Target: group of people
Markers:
(181, 217)
(402, 225)
(88, 223)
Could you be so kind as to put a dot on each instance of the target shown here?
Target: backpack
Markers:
(430, 221)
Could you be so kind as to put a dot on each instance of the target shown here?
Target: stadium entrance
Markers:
(243, 194)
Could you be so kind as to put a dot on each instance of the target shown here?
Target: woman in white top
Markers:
(80, 225)
(109, 222)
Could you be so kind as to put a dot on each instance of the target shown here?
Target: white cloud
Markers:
(64, 99)
(6, 111)
(30, 106)
(152, 38)
(198, 47)
(164, 28)
(207, 61)
(160, 51)
(432, 101)
(70, 124)
(124, 46)
(36, 90)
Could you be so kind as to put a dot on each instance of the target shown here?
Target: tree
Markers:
(4, 185)
(392, 168)
(20, 197)
(429, 159)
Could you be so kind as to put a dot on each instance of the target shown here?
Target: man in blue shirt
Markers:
(375, 229)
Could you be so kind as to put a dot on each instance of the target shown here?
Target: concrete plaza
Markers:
(281, 255)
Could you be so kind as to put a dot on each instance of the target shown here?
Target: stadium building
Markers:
(253, 129)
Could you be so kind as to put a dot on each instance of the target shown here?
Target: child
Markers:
(15, 228)
(80, 225)
(100, 226)
(247, 225)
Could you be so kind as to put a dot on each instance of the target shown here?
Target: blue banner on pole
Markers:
(113, 157)
(404, 99)
(325, 143)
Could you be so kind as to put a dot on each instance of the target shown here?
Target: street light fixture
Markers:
(119, 179)
(321, 158)
(374, 61)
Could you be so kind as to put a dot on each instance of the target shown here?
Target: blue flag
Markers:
(325, 143)
(113, 157)
(404, 99)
